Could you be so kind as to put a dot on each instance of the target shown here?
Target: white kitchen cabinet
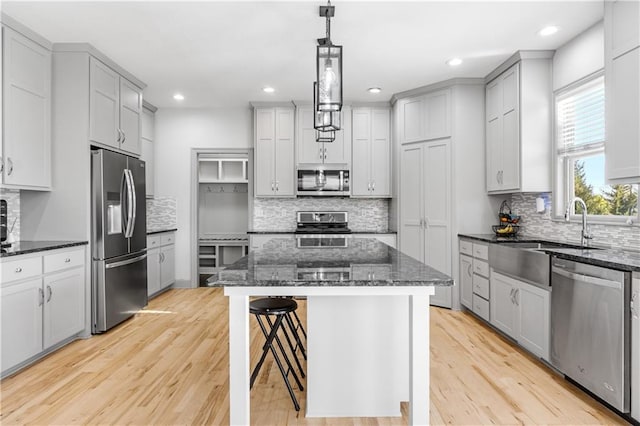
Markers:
(521, 311)
(42, 300)
(274, 147)
(466, 281)
(147, 147)
(115, 112)
(425, 204)
(518, 127)
(160, 262)
(25, 155)
(371, 153)
(425, 117)
(308, 151)
(474, 277)
(622, 88)
(635, 345)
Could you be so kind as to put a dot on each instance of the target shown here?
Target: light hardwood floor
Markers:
(169, 365)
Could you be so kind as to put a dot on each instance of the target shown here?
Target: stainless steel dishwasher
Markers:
(590, 328)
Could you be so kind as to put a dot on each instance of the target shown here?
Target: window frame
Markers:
(563, 175)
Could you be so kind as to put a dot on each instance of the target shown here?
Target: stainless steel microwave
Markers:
(321, 181)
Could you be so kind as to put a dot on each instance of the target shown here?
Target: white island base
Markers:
(364, 355)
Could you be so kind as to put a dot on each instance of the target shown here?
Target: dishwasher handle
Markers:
(586, 278)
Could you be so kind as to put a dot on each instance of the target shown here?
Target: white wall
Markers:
(177, 132)
(579, 57)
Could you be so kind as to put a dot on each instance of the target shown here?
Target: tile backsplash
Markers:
(161, 213)
(542, 225)
(279, 214)
(12, 196)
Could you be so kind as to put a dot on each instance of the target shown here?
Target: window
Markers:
(580, 141)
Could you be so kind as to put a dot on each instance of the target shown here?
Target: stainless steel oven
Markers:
(323, 181)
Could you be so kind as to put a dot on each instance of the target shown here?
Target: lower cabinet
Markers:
(635, 345)
(466, 281)
(42, 303)
(161, 262)
(521, 311)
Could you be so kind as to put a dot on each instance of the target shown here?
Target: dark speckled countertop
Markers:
(626, 260)
(365, 262)
(25, 247)
(158, 231)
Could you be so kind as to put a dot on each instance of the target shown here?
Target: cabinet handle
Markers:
(10, 166)
(498, 176)
(511, 295)
(469, 271)
(49, 293)
(272, 186)
(320, 150)
(40, 297)
(119, 136)
(162, 257)
(67, 260)
(277, 185)
(369, 186)
(373, 185)
(18, 269)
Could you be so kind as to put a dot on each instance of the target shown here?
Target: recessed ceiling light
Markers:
(547, 31)
(178, 97)
(268, 89)
(374, 90)
(454, 62)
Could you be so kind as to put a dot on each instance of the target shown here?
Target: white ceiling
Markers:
(223, 53)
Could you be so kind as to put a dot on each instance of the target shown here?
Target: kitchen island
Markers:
(367, 321)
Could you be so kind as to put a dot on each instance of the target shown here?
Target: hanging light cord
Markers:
(328, 24)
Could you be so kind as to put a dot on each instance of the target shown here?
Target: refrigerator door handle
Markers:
(124, 201)
(130, 204)
(134, 202)
(125, 262)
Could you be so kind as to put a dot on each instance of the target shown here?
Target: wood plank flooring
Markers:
(169, 365)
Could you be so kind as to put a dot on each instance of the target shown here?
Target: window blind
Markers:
(580, 118)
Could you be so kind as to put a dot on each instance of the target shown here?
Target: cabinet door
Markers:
(153, 271)
(104, 109)
(361, 140)
(148, 124)
(437, 115)
(265, 120)
(510, 165)
(635, 345)
(130, 116)
(504, 313)
(466, 281)
(339, 151)
(380, 173)
(622, 21)
(284, 153)
(412, 119)
(146, 155)
(21, 325)
(308, 150)
(64, 305)
(436, 177)
(26, 112)
(411, 204)
(533, 311)
(167, 266)
(494, 134)
(622, 150)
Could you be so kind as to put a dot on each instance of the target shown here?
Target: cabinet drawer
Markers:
(481, 251)
(481, 267)
(64, 260)
(466, 247)
(167, 239)
(481, 307)
(153, 241)
(21, 268)
(481, 286)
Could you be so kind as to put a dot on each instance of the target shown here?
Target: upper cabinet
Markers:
(146, 146)
(274, 151)
(115, 112)
(371, 168)
(425, 117)
(25, 153)
(622, 88)
(309, 151)
(518, 126)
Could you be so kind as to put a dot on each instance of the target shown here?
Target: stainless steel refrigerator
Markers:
(119, 238)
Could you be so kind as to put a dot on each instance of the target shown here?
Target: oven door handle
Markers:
(586, 278)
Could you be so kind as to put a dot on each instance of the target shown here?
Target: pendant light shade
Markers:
(325, 137)
(324, 120)
(329, 77)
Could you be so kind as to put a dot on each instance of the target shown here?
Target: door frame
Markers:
(195, 201)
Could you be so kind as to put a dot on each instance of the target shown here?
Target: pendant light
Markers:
(328, 86)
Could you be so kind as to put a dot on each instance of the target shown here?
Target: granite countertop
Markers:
(626, 260)
(365, 262)
(158, 231)
(294, 231)
(25, 247)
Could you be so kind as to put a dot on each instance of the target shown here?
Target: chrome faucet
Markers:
(586, 231)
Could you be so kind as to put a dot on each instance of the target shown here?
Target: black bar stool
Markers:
(281, 309)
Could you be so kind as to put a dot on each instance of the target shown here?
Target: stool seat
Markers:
(272, 306)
